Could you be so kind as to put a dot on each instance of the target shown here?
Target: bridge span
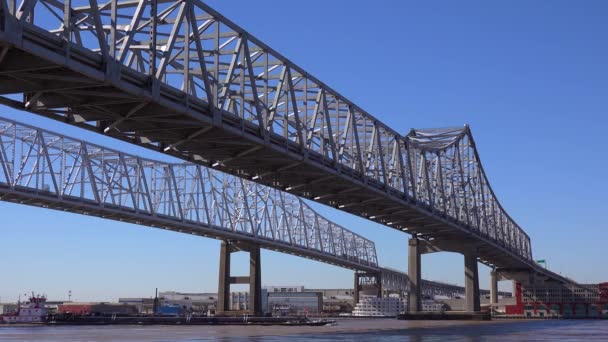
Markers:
(178, 77)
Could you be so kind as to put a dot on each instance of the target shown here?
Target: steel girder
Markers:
(43, 168)
(178, 77)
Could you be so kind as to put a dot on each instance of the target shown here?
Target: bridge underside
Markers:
(220, 141)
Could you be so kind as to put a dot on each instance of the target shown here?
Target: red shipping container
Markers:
(75, 308)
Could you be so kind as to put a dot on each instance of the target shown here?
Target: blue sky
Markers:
(530, 78)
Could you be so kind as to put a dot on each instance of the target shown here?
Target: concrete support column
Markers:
(414, 273)
(379, 285)
(356, 288)
(255, 281)
(223, 289)
(471, 282)
(493, 287)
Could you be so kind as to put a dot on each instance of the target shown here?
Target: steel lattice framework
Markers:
(46, 169)
(180, 78)
(450, 177)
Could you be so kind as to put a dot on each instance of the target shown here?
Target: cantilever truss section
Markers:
(39, 167)
(450, 178)
(178, 77)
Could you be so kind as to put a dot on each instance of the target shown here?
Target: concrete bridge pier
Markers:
(493, 287)
(416, 248)
(414, 273)
(356, 289)
(225, 279)
(471, 282)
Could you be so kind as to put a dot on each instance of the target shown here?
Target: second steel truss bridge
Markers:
(50, 170)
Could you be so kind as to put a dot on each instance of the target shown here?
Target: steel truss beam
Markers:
(43, 168)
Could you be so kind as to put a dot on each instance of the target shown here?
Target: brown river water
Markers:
(344, 330)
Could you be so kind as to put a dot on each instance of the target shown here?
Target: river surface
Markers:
(345, 330)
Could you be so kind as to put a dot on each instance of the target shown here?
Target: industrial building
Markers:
(190, 302)
(557, 301)
(143, 305)
(172, 303)
(336, 301)
(294, 303)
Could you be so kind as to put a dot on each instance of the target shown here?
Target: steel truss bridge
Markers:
(46, 169)
(179, 78)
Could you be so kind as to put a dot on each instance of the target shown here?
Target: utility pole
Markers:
(155, 306)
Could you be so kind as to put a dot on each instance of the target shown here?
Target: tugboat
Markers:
(32, 311)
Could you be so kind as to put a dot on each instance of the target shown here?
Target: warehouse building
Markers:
(294, 303)
(336, 301)
(570, 300)
(143, 305)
